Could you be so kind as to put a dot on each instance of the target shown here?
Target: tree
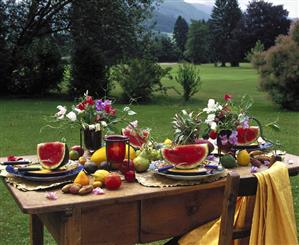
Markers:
(3, 50)
(29, 22)
(197, 47)
(104, 32)
(180, 32)
(279, 70)
(164, 49)
(263, 21)
(224, 19)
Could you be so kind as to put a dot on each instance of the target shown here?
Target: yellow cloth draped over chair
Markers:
(273, 221)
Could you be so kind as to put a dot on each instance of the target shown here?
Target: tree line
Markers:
(101, 42)
(229, 34)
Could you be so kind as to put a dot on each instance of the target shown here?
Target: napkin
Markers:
(273, 216)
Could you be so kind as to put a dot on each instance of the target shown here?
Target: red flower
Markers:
(89, 100)
(11, 158)
(227, 97)
(81, 106)
(213, 134)
(108, 108)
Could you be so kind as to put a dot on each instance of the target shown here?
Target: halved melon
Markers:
(136, 137)
(247, 136)
(52, 155)
(186, 156)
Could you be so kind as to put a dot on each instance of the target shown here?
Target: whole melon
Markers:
(186, 156)
(52, 155)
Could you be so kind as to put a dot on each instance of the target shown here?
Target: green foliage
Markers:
(164, 49)
(279, 73)
(188, 77)
(180, 32)
(39, 68)
(255, 54)
(262, 21)
(139, 79)
(224, 20)
(197, 47)
(187, 127)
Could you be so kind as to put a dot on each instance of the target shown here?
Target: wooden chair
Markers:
(235, 187)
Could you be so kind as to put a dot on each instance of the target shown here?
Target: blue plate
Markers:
(264, 146)
(46, 178)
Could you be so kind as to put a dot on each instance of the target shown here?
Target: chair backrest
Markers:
(235, 187)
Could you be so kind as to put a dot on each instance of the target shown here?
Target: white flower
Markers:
(62, 110)
(212, 106)
(210, 119)
(72, 116)
(213, 125)
(104, 124)
(78, 110)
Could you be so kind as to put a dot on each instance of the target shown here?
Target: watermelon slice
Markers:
(52, 155)
(186, 156)
(137, 137)
(247, 136)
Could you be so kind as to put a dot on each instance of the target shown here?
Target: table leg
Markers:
(36, 230)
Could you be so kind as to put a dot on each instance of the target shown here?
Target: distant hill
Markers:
(166, 13)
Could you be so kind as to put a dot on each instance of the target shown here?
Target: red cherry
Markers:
(213, 134)
(130, 176)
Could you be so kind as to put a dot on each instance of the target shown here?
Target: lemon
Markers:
(132, 152)
(99, 156)
(100, 175)
(167, 142)
(243, 158)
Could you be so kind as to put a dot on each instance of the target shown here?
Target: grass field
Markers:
(22, 119)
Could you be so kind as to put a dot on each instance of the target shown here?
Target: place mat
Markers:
(150, 179)
(25, 185)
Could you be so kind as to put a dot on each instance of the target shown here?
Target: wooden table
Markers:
(132, 214)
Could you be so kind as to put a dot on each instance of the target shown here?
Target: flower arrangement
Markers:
(94, 114)
(226, 118)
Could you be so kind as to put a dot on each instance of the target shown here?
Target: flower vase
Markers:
(223, 143)
(92, 139)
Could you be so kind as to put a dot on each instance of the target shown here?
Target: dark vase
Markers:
(224, 147)
(92, 139)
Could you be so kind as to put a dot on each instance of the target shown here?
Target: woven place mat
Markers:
(150, 179)
(26, 185)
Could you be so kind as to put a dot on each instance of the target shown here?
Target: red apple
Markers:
(130, 176)
(112, 181)
(78, 149)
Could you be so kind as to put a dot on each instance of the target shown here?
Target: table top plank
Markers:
(35, 202)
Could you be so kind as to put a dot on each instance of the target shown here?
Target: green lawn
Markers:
(22, 119)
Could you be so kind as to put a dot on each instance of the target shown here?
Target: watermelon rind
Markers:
(247, 136)
(136, 140)
(55, 159)
(186, 156)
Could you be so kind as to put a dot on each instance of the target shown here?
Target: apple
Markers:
(112, 181)
(78, 149)
(130, 176)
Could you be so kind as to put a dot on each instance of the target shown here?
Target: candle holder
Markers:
(116, 150)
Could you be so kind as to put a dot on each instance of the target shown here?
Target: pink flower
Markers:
(51, 196)
(227, 97)
(98, 191)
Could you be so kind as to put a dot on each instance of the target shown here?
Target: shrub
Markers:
(188, 77)
(39, 69)
(255, 55)
(280, 72)
(139, 79)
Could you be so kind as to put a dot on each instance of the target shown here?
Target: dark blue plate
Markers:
(46, 178)
(261, 147)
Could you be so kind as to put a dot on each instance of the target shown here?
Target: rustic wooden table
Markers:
(132, 214)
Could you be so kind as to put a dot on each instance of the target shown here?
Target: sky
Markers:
(291, 5)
